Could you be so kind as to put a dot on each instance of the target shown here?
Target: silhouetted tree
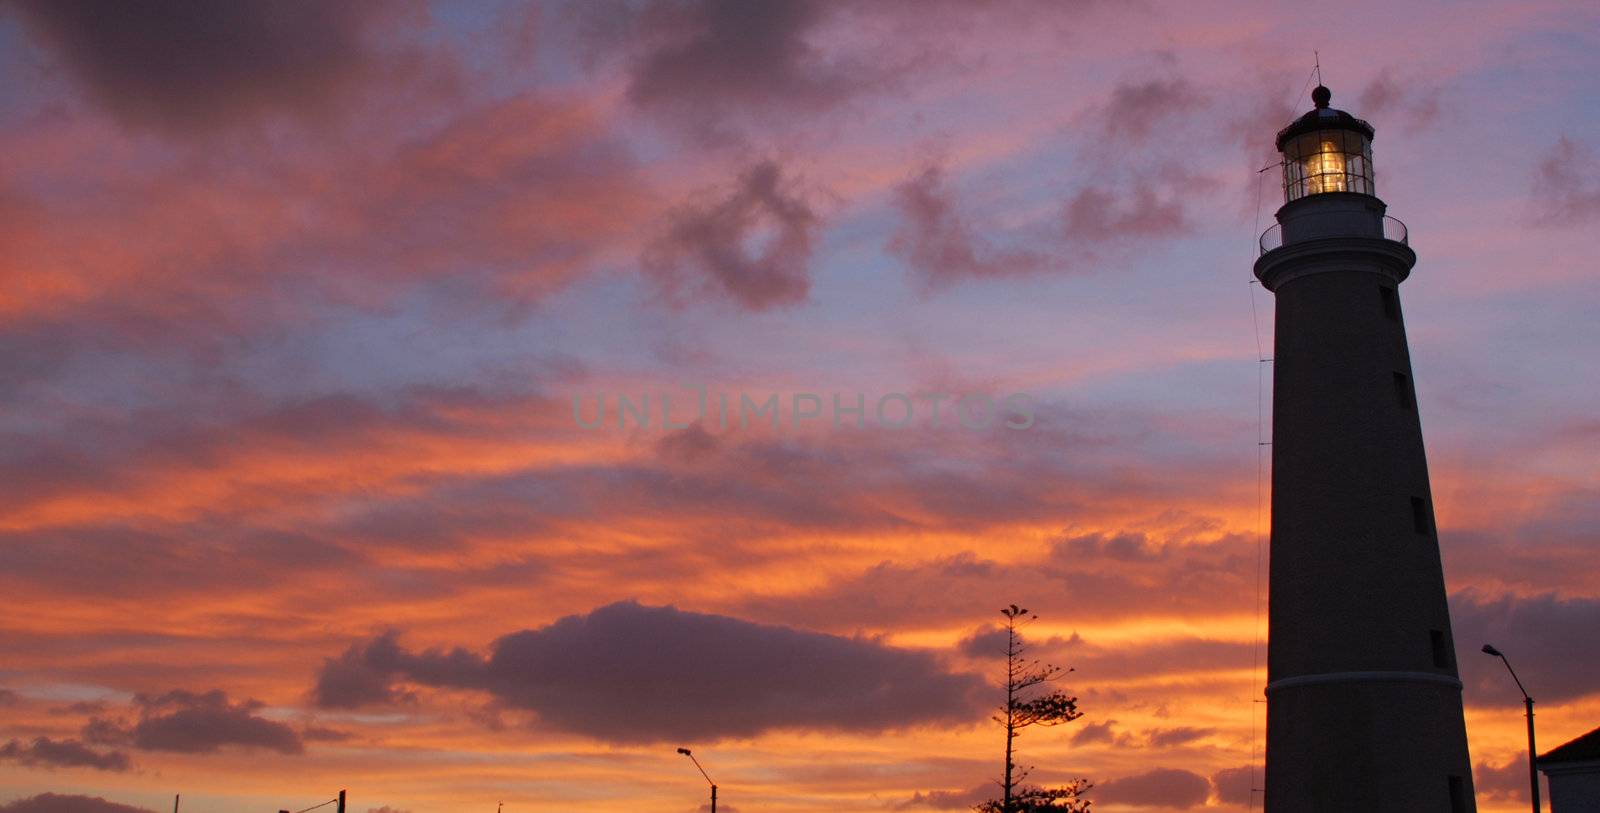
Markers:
(1025, 707)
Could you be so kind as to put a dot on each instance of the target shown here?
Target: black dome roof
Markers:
(1322, 117)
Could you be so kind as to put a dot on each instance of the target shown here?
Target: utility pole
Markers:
(341, 801)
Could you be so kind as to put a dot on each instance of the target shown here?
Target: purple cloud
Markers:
(702, 62)
(940, 245)
(1136, 108)
(1538, 635)
(46, 752)
(1099, 214)
(1565, 191)
(1161, 787)
(948, 799)
(68, 803)
(189, 64)
(630, 673)
(754, 245)
(1233, 785)
(1173, 737)
(196, 723)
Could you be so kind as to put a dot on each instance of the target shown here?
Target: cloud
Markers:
(1173, 737)
(1179, 577)
(988, 641)
(1122, 547)
(364, 674)
(1141, 209)
(702, 62)
(1386, 97)
(1136, 108)
(948, 799)
(1089, 733)
(166, 266)
(312, 733)
(688, 445)
(1541, 635)
(68, 803)
(189, 64)
(1162, 787)
(1232, 786)
(1565, 186)
(196, 723)
(630, 673)
(1503, 783)
(9, 698)
(44, 751)
(81, 707)
(754, 245)
(939, 244)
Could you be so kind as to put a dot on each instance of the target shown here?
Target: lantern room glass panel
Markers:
(1333, 160)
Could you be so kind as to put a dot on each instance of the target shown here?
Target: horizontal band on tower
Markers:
(1362, 677)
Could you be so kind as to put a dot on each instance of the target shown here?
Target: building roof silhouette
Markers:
(1583, 749)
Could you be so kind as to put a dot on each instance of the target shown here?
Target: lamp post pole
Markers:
(1527, 702)
(713, 785)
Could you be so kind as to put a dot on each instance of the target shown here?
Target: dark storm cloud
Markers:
(68, 803)
(1565, 186)
(196, 723)
(45, 752)
(193, 64)
(1162, 787)
(939, 245)
(1549, 640)
(630, 673)
(754, 245)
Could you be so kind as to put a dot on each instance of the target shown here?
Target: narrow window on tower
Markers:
(1441, 652)
(1458, 795)
(1391, 305)
(1402, 391)
(1419, 515)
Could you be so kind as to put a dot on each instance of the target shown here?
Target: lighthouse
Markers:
(1363, 698)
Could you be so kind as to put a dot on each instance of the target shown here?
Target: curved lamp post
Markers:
(1533, 754)
(713, 785)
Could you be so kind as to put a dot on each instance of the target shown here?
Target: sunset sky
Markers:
(296, 299)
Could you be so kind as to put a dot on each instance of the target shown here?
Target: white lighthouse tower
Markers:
(1363, 698)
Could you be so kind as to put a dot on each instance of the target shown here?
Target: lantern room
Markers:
(1326, 150)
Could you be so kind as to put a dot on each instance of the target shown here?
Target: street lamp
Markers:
(1533, 755)
(713, 785)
